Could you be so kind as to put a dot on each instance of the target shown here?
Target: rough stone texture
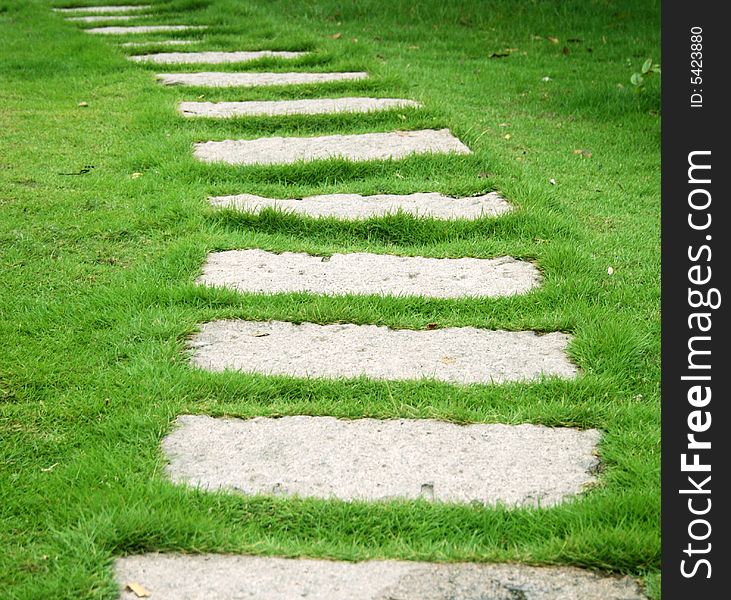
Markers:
(364, 146)
(104, 9)
(454, 354)
(225, 577)
(159, 43)
(362, 273)
(371, 459)
(314, 106)
(98, 18)
(355, 206)
(141, 29)
(222, 79)
(189, 58)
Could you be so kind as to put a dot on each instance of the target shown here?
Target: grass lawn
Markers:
(97, 294)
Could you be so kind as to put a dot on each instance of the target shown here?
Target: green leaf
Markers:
(637, 79)
(647, 65)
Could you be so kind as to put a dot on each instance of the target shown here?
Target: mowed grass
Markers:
(97, 295)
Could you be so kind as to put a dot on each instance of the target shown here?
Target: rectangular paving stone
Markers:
(227, 577)
(314, 106)
(159, 43)
(453, 354)
(117, 8)
(259, 271)
(372, 459)
(189, 58)
(355, 206)
(222, 79)
(114, 30)
(98, 18)
(364, 146)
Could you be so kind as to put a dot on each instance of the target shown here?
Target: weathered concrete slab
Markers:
(256, 270)
(226, 577)
(364, 146)
(371, 459)
(355, 206)
(189, 58)
(314, 106)
(113, 30)
(117, 8)
(106, 18)
(158, 43)
(222, 79)
(454, 354)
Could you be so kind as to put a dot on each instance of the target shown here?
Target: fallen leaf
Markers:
(610, 271)
(259, 334)
(499, 54)
(137, 589)
(553, 40)
(336, 36)
(507, 136)
(431, 326)
(503, 124)
(136, 175)
(354, 40)
(565, 51)
(83, 104)
(413, 47)
(583, 152)
(536, 37)
(448, 360)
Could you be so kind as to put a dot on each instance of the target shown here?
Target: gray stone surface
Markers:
(190, 58)
(364, 146)
(314, 106)
(222, 79)
(362, 273)
(453, 354)
(227, 577)
(159, 43)
(117, 8)
(355, 206)
(99, 18)
(141, 29)
(371, 459)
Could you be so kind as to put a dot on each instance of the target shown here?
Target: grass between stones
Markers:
(98, 293)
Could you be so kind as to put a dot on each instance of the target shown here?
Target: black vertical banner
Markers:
(696, 369)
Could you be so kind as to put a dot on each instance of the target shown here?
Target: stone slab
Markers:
(454, 354)
(99, 18)
(118, 8)
(222, 79)
(364, 146)
(373, 460)
(258, 271)
(315, 106)
(113, 30)
(190, 58)
(227, 577)
(158, 43)
(355, 206)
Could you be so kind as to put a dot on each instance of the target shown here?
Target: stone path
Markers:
(142, 29)
(361, 273)
(120, 8)
(355, 206)
(315, 106)
(223, 79)
(370, 459)
(363, 459)
(189, 58)
(454, 354)
(221, 577)
(364, 146)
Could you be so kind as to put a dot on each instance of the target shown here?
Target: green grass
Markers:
(97, 292)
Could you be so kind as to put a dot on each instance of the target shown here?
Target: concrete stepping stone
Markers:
(189, 58)
(454, 354)
(316, 106)
(364, 146)
(227, 577)
(372, 459)
(158, 43)
(98, 18)
(113, 30)
(118, 8)
(259, 271)
(355, 206)
(222, 79)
